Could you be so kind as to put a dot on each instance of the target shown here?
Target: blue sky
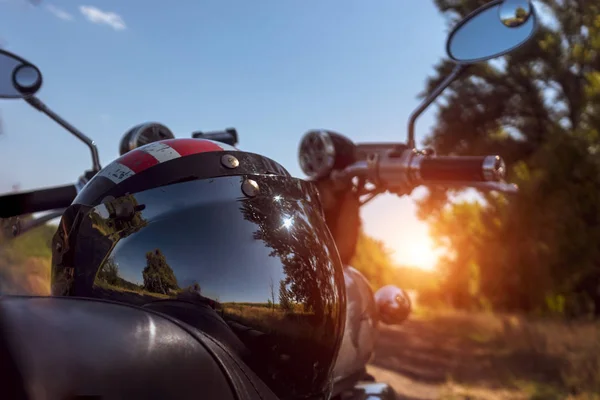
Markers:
(272, 69)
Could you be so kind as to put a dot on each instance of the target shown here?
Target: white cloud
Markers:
(57, 12)
(97, 16)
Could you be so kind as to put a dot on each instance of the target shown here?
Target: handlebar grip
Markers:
(466, 169)
(12, 205)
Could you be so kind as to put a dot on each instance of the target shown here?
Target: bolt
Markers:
(250, 188)
(230, 161)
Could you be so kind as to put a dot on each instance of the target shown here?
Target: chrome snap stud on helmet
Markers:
(224, 240)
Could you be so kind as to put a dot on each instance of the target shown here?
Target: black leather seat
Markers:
(63, 348)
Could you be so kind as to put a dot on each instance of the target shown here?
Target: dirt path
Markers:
(453, 358)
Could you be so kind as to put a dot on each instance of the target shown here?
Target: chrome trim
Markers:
(360, 332)
(414, 168)
(394, 171)
(508, 188)
(493, 168)
(133, 141)
(393, 305)
(360, 168)
(370, 391)
(307, 154)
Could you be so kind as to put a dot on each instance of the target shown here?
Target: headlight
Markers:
(142, 134)
(321, 151)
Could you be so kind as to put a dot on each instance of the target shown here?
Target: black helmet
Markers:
(222, 239)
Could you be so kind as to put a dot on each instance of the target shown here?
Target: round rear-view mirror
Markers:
(492, 30)
(18, 77)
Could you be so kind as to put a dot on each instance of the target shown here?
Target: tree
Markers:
(374, 260)
(539, 108)
(305, 258)
(271, 301)
(285, 298)
(109, 272)
(158, 275)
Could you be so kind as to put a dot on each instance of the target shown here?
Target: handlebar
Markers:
(37, 201)
(400, 171)
(474, 169)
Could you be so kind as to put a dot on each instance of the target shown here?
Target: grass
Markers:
(25, 263)
(513, 357)
(139, 292)
(265, 319)
(29, 277)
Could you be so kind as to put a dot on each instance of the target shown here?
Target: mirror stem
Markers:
(458, 69)
(40, 106)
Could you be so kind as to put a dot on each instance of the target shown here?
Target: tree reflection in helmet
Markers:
(258, 272)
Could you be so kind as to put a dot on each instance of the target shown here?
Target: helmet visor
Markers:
(258, 253)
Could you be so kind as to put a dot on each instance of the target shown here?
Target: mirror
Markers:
(18, 77)
(514, 13)
(393, 305)
(27, 78)
(492, 31)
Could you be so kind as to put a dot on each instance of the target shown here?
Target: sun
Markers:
(419, 252)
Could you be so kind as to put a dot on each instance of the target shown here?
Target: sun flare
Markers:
(420, 253)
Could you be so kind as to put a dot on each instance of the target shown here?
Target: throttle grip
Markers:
(12, 205)
(461, 169)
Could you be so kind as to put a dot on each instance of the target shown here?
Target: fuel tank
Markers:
(360, 333)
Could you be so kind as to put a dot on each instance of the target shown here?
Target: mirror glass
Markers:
(492, 31)
(13, 68)
(26, 77)
(514, 13)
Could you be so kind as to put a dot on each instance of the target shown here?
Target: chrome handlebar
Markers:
(401, 171)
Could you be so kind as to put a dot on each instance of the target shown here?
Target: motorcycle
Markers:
(369, 169)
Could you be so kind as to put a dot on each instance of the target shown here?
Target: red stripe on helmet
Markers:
(137, 160)
(186, 147)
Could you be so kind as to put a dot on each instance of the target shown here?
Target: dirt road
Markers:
(454, 358)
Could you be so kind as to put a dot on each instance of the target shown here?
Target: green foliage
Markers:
(109, 273)
(35, 243)
(373, 260)
(25, 262)
(539, 109)
(158, 275)
(285, 298)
